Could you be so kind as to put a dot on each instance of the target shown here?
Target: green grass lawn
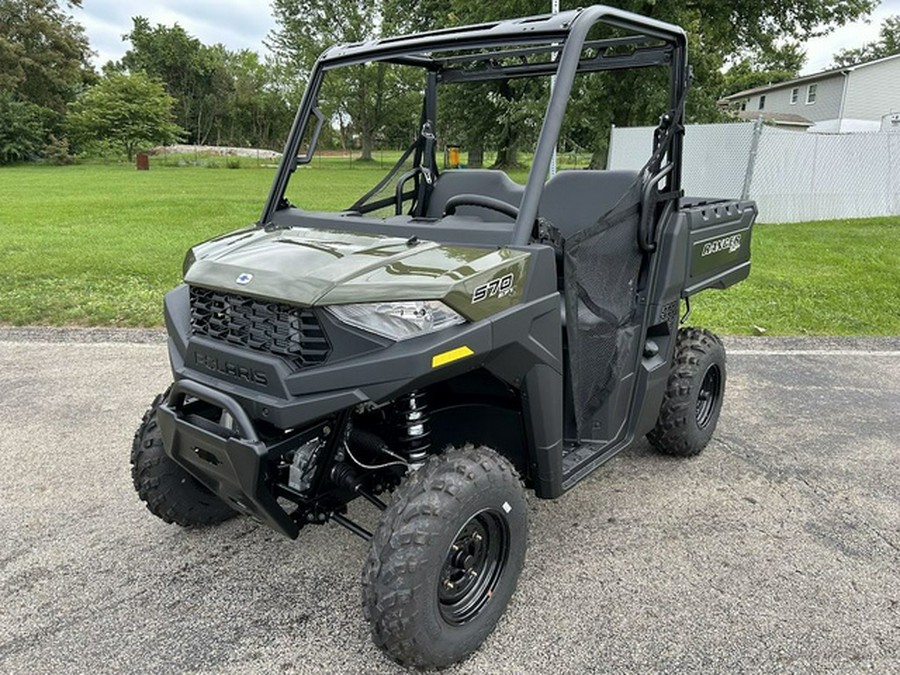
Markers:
(100, 244)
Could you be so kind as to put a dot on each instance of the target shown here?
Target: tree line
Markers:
(169, 86)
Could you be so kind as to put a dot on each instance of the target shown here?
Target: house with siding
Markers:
(864, 97)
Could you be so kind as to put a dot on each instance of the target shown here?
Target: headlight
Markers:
(398, 320)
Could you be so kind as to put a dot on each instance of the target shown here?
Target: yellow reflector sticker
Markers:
(451, 356)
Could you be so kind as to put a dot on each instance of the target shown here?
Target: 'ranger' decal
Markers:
(732, 243)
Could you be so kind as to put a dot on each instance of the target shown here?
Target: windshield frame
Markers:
(564, 33)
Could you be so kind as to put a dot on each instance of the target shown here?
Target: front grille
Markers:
(293, 333)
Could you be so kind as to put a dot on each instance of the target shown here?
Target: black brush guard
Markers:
(232, 465)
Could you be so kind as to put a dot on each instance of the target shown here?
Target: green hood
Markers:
(308, 267)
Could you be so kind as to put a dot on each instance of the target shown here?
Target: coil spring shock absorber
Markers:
(413, 430)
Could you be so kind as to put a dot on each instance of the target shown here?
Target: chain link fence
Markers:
(792, 175)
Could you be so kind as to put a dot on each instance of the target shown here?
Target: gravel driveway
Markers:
(778, 549)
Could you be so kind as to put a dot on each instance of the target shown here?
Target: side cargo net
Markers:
(601, 267)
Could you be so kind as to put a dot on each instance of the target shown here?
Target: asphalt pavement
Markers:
(776, 550)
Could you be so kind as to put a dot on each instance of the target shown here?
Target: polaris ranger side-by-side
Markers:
(451, 339)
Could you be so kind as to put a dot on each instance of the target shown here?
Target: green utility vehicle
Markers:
(450, 340)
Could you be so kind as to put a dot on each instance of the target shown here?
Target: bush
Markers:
(57, 152)
(103, 151)
(23, 129)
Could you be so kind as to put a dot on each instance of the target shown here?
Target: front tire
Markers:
(693, 399)
(170, 492)
(445, 559)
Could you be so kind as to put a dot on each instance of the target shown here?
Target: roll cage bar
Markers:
(563, 36)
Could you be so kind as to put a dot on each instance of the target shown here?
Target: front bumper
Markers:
(232, 465)
(360, 369)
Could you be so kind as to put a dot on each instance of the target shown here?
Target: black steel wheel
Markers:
(694, 394)
(473, 566)
(445, 559)
(709, 394)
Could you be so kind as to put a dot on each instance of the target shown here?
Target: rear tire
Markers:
(170, 492)
(693, 399)
(445, 558)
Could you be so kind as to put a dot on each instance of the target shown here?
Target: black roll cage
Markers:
(563, 35)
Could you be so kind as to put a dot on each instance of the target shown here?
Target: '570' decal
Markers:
(494, 288)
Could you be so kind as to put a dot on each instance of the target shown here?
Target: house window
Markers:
(762, 102)
(743, 106)
(811, 91)
(795, 95)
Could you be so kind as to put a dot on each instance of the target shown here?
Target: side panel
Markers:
(719, 248)
(706, 244)
(533, 364)
(542, 399)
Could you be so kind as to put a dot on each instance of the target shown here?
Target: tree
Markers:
(364, 96)
(720, 34)
(23, 129)
(128, 111)
(887, 44)
(256, 110)
(768, 67)
(192, 73)
(43, 65)
(44, 53)
(222, 97)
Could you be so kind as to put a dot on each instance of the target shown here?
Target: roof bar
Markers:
(543, 49)
(642, 58)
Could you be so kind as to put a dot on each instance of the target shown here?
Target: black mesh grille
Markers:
(669, 313)
(290, 332)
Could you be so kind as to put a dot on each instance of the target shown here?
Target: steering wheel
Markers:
(497, 205)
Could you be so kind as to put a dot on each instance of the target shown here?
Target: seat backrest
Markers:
(574, 200)
(486, 182)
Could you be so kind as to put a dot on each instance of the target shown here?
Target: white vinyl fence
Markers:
(793, 176)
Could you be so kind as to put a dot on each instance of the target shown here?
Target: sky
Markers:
(242, 24)
(820, 50)
(237, 24)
